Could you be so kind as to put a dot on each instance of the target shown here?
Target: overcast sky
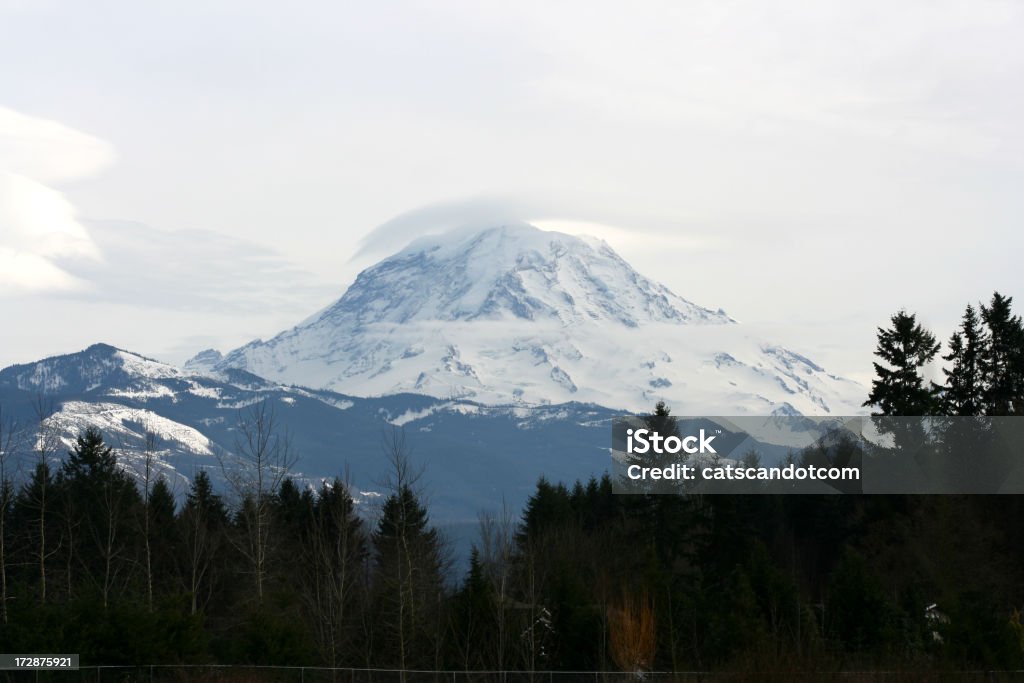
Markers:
(178, 175)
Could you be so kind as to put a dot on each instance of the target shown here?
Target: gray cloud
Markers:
(196, 270)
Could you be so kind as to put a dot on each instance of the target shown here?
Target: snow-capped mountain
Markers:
(512, 272)
(514, 314)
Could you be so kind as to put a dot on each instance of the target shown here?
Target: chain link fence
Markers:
(283, 674)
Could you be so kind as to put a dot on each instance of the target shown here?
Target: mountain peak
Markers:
(85, 370)
(203, 362)
(100, 348)
(510, 271)
(512, 314)
(505, 239)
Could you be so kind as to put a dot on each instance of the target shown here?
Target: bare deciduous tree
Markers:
(261, 460)
(46, 444)
(202, 520)
(497, 550)
(336, 550)
(410, 563)
(632, 633)
(149, 456)
(110, 539)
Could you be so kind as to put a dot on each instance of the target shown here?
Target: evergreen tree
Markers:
(33, 507)
(6, 536)
(164, 540)
(409, 590)
(546, 509)
(91, 462)
(293, 505)
(662, 420)
(334, 551)
(859, 615)
(663, 423)
(1003, 358)
(202, 523)
(10, 444)
(669, 517)
(161, 508)
(964, 391)
(899, 388)
(202, 500)
(474, 622)
(100, 501)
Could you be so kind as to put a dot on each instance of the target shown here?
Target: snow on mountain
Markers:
(517, 315)
(123, 424)
(99, 365)
(513, 272)
(488, 451)
(178, 448)
(203, 362)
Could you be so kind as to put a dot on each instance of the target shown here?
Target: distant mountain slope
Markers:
(514, 314)
(474, 455)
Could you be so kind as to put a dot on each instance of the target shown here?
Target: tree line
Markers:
(984, 373)
(103, 560)
(106, 562)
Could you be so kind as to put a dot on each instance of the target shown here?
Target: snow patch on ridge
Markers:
(124, 424)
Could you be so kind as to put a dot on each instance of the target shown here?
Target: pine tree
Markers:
(32, 514)
(334, 551)
(662, 422)
(899, 388)
(670, 520)
(964, 391)
(202, 499)
(858, 612)
(474, 622)
(1003, 358)
(203, 520)
(548, 508)
(91, 461)
(410, 588)
(6, 506)
(10, 438)
(163, 537)
(99, 503)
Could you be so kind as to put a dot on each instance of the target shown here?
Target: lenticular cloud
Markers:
(37, 223)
